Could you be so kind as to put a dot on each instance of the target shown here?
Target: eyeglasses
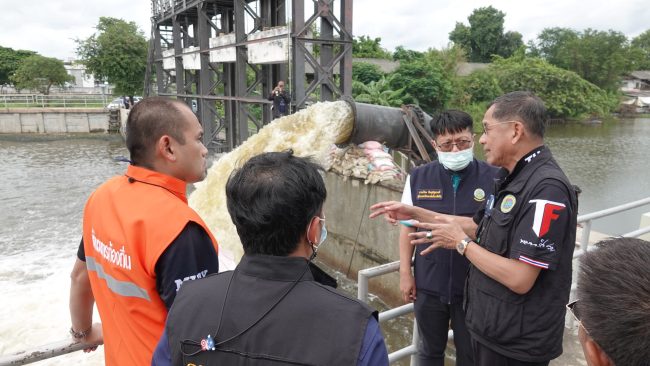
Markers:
(486, 129)
(572, 307)
(460, 144)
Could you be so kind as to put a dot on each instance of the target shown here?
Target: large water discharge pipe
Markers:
(384, 124)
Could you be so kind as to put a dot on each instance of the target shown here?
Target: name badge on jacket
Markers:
(429, 194)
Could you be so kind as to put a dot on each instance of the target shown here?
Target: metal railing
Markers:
(67, 346)
(586, 220)
(54, 101)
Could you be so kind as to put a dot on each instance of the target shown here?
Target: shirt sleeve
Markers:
(543, 226)
(162, 355)
(373, 350)
(189, 257)
(407, 199)
(81, 251)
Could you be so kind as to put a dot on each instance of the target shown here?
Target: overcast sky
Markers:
(49, 27)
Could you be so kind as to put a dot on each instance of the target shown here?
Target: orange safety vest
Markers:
(128, 223)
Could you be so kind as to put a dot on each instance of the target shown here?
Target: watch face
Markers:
(460, 247)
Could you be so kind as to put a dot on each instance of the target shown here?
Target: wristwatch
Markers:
(460, 247)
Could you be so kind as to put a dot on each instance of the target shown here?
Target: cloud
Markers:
(49, 27)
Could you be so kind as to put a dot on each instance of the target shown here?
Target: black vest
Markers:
(525, 327)
(312, 325)
(442, 272)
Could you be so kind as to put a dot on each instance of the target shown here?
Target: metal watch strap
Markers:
(460, 247)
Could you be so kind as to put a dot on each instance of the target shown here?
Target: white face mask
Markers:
(323, 236)
(456, 160)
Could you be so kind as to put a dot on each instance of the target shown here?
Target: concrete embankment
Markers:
(53, 120)
(354, 241)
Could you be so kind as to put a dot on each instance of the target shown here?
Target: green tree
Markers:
(403, 54)
(379, 92)
(556, 45)
(641, 44)
(10, 59)
(425, 81)
(449, 58)
(40, 73)
(565, 93)
(116, 53)
(484, 37)
(480, 86)
(597, 56)
(366, 47)
(365, 72)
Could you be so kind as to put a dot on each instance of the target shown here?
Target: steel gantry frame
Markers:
(229, 97)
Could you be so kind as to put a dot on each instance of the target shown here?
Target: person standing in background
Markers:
(281, 100)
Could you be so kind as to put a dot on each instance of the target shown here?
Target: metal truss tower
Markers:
(224, 57)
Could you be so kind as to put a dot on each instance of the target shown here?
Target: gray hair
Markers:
(524, 106)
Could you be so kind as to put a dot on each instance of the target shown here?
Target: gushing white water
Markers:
(310, 132)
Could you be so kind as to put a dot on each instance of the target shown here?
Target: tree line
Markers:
(577, 73)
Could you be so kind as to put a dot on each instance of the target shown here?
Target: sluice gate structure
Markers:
(224, 57)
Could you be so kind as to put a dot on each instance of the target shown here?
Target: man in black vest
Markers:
(520, 244)
(272, 310)
(456, 184)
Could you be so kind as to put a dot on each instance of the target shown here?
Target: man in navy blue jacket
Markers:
(456, 184)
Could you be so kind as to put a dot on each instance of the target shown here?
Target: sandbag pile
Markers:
(368, 161)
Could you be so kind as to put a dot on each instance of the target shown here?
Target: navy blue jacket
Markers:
(442, 272)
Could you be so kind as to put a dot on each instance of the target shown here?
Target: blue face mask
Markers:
(323, 234)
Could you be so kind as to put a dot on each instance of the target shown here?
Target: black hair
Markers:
(148, 121)
(524, 106)
(451, 121)
(614, 299)
(271, 200)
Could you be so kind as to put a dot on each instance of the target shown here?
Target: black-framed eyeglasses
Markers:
(460, 144)
(486, 129)
(574, 309)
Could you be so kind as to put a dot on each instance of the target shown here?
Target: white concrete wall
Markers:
(169, 63)
(347, 213)
(224, 54)
(271, 51)
(191, 61)
(53, 120)
(8, 123)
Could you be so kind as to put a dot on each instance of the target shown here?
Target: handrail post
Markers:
(414, 342)
(584, 238)
(362, 289)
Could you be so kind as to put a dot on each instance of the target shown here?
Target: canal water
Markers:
(46, 180)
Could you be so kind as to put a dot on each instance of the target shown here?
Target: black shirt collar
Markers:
(530, 158)
(283, 269)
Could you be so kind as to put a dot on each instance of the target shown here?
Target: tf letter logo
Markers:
(545, 213)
